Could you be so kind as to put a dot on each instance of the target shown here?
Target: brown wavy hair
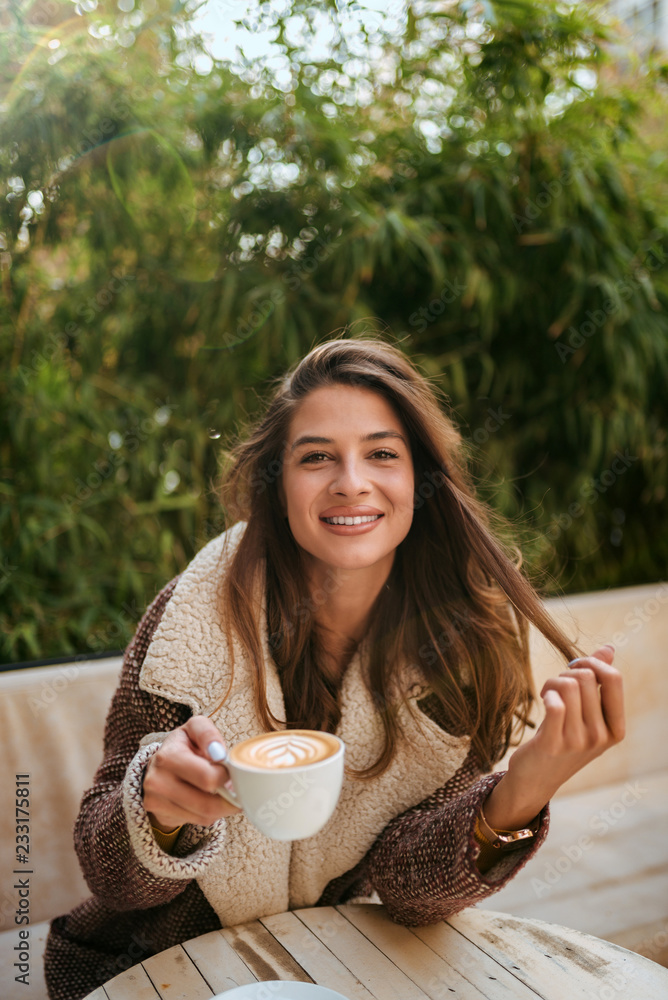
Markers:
(458, 604)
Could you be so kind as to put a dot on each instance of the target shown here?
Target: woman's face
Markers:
(342, 474)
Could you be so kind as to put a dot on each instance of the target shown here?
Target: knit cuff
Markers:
(198, 845)
(509, 863)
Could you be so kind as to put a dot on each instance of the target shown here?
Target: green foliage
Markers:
(174, 232)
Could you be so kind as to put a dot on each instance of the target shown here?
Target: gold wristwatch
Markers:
(506, 840)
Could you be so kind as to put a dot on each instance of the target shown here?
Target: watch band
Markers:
(506, 840)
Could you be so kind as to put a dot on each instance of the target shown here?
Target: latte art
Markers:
(288, 748)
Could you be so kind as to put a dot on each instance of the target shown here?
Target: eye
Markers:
(318, 455)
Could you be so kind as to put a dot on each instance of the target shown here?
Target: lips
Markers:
(357, 522)
(350, 512)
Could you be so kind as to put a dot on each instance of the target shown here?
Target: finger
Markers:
(568, 688)
(172, 800)
(179, 756)
(551, 730)
(206, 738)
(592, 711)
(192, 805)
(611, 690)
(605, 653)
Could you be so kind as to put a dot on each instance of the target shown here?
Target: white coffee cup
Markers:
(287, 782)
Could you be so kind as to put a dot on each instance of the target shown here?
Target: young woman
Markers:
(359, 590)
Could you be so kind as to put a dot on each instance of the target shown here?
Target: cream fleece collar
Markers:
(187, 662)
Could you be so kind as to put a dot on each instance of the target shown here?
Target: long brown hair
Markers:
(457, 606)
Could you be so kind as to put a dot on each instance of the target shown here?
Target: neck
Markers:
(343, 600)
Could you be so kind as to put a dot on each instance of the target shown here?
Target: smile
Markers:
(352, 525)
(352, 520)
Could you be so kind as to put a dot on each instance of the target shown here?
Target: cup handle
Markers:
(225, 793)
(229, 796)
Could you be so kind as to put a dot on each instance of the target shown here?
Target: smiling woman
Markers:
(346, 598)
(352, 489)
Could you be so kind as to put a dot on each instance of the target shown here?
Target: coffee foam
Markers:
(287, 748)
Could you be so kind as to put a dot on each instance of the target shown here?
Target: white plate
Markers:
(279, 990)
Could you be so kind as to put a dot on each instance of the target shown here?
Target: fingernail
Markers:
(609, 645)
(570, 664)
(216, 751)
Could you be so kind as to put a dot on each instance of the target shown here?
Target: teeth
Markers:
(352, 520)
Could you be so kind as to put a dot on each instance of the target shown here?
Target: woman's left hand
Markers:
(584, 717)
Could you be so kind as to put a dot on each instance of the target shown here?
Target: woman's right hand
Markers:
(181, 778)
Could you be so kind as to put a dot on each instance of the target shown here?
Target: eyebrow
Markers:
(374, 436)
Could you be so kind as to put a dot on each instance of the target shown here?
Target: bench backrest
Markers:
(51, 728)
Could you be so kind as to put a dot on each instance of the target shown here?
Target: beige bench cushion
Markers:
(636, 620)
(52, 724)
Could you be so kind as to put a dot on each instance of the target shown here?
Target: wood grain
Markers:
(217, 962)
(357, 951)
(263, 954)
(321, 964)
(482, 972)
(175, 977)
(133, 984)
(559, 963)
(428, 967)
(378, 973)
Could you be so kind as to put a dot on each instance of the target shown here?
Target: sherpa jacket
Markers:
(405, 838)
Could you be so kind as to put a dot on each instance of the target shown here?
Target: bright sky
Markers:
(222, 36)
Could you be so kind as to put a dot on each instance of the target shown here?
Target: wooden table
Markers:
(358, 951)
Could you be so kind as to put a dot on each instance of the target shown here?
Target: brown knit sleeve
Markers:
(101, 835)
(423, 866)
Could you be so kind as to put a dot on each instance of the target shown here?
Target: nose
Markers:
(350, 478)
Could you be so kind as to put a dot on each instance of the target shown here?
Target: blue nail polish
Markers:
(574, 661)
(216, 751)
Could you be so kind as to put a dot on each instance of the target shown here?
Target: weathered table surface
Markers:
(359, 952)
